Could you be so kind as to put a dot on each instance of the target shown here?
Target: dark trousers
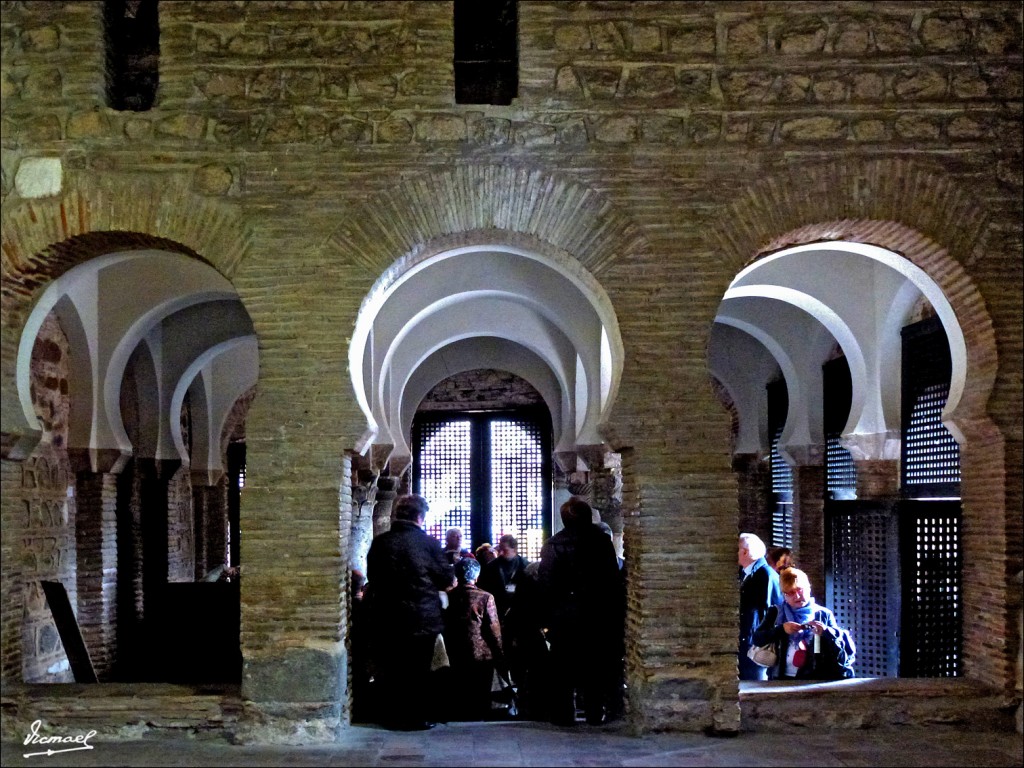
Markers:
(403, 677)
(581, 664)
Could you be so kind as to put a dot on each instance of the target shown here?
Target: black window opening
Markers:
(132, 41)
(782, 473)
(931, 517)
(236, 482)
(488, 473)
(486, 51)
(837, 395)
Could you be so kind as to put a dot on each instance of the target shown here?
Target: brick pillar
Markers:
(809, 524)
(387, 492)
(210, 505)
(754, 478)
(96, 544)
(878, 479)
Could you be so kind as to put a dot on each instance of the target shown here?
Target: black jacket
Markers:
(405, 570)
(580, 581)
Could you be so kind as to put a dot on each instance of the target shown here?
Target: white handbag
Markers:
(763, 655)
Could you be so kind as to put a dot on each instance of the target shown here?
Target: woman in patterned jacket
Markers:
(472, 637)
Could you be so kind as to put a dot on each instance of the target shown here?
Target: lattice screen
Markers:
(932, 599)
(517, 484)
(837, 395)
(840, 471)
(930, 454)
(445, 474)
(930, 460)
(782, 490)
(862, 581)
(488, 473)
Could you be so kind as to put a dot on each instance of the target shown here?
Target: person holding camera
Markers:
(809, 643)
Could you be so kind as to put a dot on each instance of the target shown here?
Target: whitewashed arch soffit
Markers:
(117, 299)
(743, 366)
(797, 342)
(552, 285)
(491, 353)
(529, 331)
(222, 374)
(803, 265)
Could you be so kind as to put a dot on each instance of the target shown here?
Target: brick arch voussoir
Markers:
(44, 238)
(568, 215)
(138, 213)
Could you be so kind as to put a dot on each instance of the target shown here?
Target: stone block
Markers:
(39, 177)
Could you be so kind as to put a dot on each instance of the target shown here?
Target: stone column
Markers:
(387, 492)
(809, 524)
(364, 495)
(754, 480)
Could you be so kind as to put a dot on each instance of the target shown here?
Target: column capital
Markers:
(878, 446)
(99, 460)
(18, 446)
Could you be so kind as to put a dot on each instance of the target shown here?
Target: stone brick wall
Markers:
(306, 149)
(481, 389)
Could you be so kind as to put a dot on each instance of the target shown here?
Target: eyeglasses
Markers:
(794, 592)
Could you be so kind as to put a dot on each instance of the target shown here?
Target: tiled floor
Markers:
(535, 744)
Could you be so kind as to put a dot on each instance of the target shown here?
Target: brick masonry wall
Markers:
(482, 388)
(302, 148)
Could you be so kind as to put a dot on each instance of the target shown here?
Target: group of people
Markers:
(777, 610)
(442, 635)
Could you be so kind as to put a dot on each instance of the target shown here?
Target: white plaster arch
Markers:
(224, 372)
(485, 316)
(108, 306)
(409, 297)
(790, 265)
(488, 352)
(801, 370)
(744, 367)
(835, 325)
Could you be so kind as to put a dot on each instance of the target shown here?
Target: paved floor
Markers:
(535, 744)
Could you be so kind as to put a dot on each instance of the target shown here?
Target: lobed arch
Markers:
(938, 228)
(94, 215)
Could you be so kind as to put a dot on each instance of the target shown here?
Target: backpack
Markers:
(836, 657)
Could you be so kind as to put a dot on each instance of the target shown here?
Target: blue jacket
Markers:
(758, 592)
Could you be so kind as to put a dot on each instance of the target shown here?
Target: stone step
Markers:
(875, 703)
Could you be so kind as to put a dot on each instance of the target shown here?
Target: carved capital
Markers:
(878, 446)
(101, 460)
(18, 446)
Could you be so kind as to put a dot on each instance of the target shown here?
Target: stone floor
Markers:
(535, 744)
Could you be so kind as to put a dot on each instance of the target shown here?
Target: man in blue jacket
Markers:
(406, 570)
(759, 591)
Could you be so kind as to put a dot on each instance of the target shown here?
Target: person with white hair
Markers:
(759, 591)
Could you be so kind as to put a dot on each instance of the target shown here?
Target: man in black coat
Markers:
(579, 577)
(406, 570)
(759, 591)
